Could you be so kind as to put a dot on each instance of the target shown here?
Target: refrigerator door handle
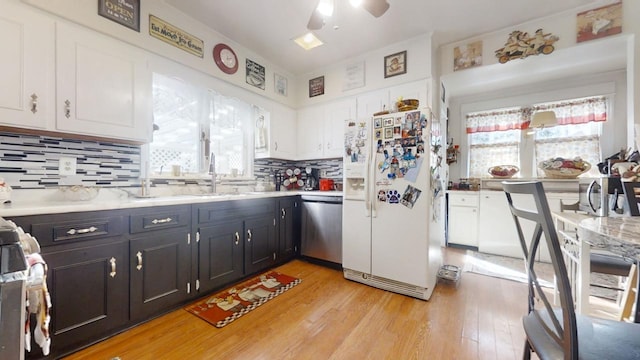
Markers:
(367, 191)
(371, 173)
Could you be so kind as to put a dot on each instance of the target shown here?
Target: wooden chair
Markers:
(559, 333)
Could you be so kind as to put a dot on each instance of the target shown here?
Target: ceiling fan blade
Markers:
(316, 21)
(376, 7)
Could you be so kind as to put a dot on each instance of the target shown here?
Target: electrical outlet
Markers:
(323, 173)
(67, 166)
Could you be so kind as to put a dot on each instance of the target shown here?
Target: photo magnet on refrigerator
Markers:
(393, 197)
(410, 196)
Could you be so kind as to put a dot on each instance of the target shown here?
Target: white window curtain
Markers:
(494, 139)
(577, 133)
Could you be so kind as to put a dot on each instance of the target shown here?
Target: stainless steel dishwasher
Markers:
(322, 228)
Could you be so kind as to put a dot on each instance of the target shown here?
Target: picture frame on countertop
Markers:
(395, 64)
(123, 12)
(280, 84)
(316, 86)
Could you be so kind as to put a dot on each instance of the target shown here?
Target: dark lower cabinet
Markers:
(89, 287)
(288, 215)
(260, 243)
(160, 260)
(220, 255)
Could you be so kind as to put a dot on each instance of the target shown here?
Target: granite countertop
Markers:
(50, 202)
(620, 235)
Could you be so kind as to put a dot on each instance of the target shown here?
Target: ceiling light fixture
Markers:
(355, 3)
(542, 119)
(308, 41)
(325, 7)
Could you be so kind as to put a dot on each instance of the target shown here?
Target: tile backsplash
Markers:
(32, 162)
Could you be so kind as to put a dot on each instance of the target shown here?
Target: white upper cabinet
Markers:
(310, 132)
(371, 103)
(103, 86)
(321, 129)
(277, 136)
(26, 68)
(336, 113)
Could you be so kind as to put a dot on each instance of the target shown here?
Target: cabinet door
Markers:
(463, 225)
(260, 246)
(497, 232)
(160, 268)
(220, 255)
(336, 114)
(310, 132)
(103, 86)
(89, 289)
(288, 213)
(371, 103)
(26, 68)
(282, 134)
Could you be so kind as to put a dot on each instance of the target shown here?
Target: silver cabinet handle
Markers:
(112, 261)
(237, 238)
(67, 109)
(82, 231)
(161, 221)
(283, 212)
(139, 256)
(249, 235)
(34, 103)
(276, 146)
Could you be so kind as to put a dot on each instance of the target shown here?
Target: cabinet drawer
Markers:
(233, 210)
(65, 229)
(159, 218)
(464, 200)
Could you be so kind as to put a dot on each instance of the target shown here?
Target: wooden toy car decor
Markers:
(520, 45)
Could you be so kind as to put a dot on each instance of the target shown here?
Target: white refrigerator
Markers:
(387, 204)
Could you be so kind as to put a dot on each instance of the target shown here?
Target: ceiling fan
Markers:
(325, 7)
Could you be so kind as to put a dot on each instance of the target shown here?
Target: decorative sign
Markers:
(124, 12)
(353, 76)
(520, 45)
(467, 56)
(255, 74)
(316, 86)
(395, 64)
(280, 84)
(600, 22)
(172, 35)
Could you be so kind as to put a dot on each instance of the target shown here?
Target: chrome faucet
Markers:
(212, 172)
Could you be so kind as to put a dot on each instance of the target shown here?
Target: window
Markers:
(494, 139)
(194, 122)
(497, 137)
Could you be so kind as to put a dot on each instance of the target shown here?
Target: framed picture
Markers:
(467, 56)
(255, 74)
(388, 133)
(377, 123)
(599, 22)
(395, 64)
(280, 84)
(387, 122)
(124, 12)
(316, 86)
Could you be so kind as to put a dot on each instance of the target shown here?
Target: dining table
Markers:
(617, 234)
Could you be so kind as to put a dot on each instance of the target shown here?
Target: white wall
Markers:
(418, 67)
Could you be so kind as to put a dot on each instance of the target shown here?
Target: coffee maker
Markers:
(311, 179)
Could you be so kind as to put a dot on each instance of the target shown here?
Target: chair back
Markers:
(632, 196)
(559, 324)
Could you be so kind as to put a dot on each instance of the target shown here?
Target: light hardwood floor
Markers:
(328, 317)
